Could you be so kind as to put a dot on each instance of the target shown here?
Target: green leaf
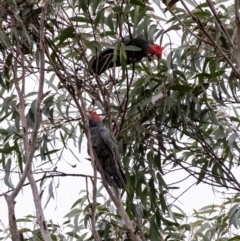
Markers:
(123, 51)
(80, 19)
(154, 231)
(237, 238)
(107, 230)
(48, 152)
(19, 157)
(8, 150)
(138, 3)
(164, 206)
(192, 3)
(132, 48)
(117, 9)
(233, 118)
(232, 138)
(93, 45)
(7, 66)
(100, 15)
(65, 34)
(7, 178)
(3, 132)
(4, 39)
(202, 173)
(181, 88)
(110, 22)
(215, 172)
(2, 83)
(174, 27)
(50, 190)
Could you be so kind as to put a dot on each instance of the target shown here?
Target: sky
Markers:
(70, 187)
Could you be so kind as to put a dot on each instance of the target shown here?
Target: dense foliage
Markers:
(179, 113)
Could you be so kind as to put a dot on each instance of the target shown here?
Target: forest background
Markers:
(176, 120)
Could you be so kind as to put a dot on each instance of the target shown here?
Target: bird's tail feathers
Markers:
(115, 180)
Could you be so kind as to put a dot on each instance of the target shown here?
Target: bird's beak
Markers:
(150, 57)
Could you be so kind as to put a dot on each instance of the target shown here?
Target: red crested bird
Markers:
(106, 148)
(105, 59)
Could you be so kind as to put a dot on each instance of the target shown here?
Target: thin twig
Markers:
(224, 31)
(52, 176)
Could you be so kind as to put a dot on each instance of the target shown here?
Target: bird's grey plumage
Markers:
(106, 148)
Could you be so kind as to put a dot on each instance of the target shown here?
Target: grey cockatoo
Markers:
(146, 49)
(106, 148)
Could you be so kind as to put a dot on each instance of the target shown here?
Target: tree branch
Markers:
(122, 212)
(37, 200)
(39, 211)
(236, 51)
(12, 218)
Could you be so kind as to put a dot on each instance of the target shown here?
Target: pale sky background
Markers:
(69, 187)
